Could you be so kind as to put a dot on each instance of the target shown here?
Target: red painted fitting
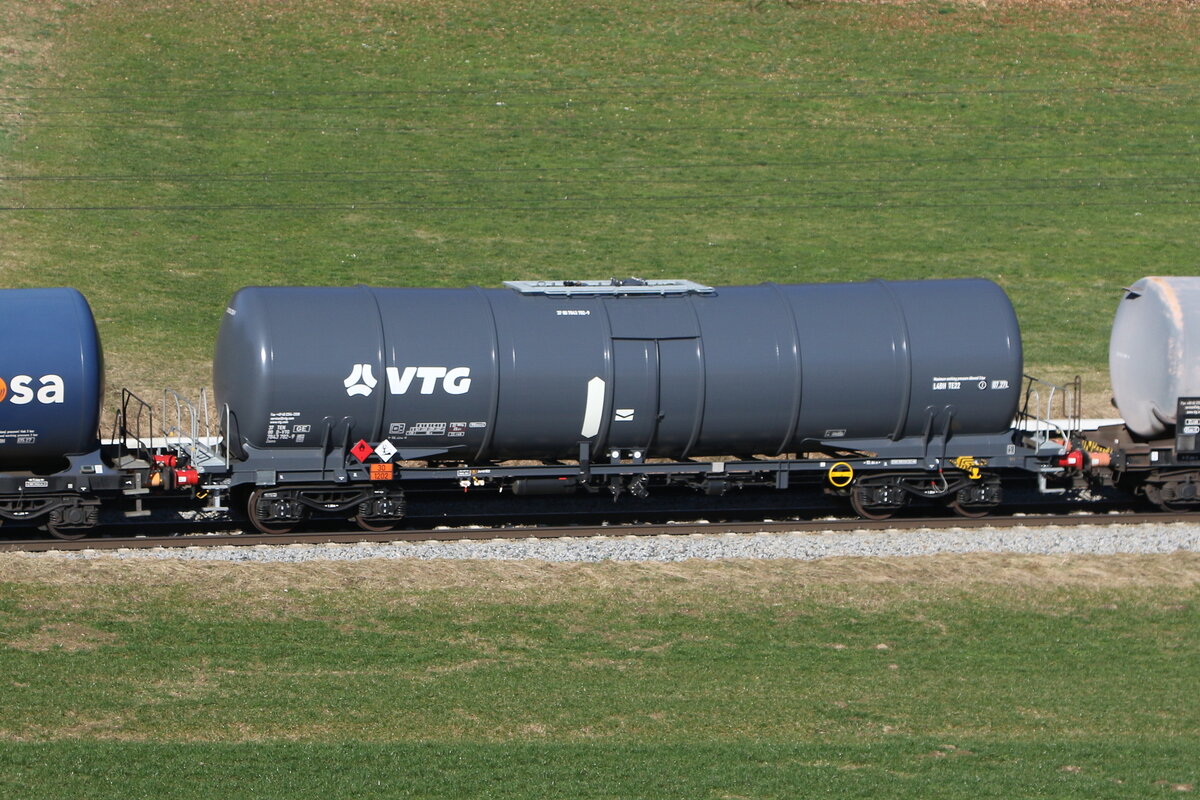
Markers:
(187, 476)
(1075, 459)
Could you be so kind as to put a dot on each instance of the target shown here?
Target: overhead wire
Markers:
(578, 128)
(936, 182)
(591, 206)
(689, 88)
(890, 199)
(681, 96)
(640, 168)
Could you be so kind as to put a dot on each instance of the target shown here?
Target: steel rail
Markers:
(591, 531)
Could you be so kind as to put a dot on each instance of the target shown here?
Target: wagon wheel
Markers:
(968, 512)
(56, 527)
(958, 501)
(869, 512)
(1178, 506)
(273, 530)
(266, 527)
(1157, 494)
(375, 526)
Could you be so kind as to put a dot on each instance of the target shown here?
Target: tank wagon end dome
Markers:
(51, 376)
(1154, 351)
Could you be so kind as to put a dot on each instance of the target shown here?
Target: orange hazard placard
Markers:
(381, 472)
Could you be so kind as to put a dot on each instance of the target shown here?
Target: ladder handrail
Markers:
(191, 428)
(1042, 414)
(129, 433)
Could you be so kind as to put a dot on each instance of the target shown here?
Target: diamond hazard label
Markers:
(385, 450)
(362, 451)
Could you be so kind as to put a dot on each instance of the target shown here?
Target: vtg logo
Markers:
(362, 381)
(49, 389)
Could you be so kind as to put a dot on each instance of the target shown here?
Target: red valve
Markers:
(1075, 459)
(187, 476)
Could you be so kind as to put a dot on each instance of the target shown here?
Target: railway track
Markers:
(580, 531)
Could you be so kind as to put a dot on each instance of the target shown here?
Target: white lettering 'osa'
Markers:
(51, 389)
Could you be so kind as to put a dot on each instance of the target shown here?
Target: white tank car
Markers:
(1154, 352)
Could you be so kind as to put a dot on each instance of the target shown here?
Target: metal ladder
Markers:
(134, 452)
(1063, 404)
(187, 428)
(1045, 433)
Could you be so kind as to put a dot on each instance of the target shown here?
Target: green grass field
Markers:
(158, 156)
(967, 676)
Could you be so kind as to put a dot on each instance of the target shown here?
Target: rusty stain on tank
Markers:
(1175, 361)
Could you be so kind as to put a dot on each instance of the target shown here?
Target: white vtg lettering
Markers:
(454, 381)
(50, 389)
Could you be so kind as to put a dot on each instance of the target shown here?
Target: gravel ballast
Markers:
(1082, 540)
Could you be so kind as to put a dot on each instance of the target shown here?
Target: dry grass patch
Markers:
(279, 588)
(70, 637)
(20, 46)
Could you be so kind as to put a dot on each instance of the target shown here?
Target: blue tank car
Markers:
(52, 472)
(51, 378)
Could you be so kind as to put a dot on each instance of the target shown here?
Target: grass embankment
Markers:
(159, 156)
(974, 676)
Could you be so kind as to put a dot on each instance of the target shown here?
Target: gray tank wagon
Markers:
(665, 369)
(610, 376)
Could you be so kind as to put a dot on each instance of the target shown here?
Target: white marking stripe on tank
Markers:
(594, 410)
